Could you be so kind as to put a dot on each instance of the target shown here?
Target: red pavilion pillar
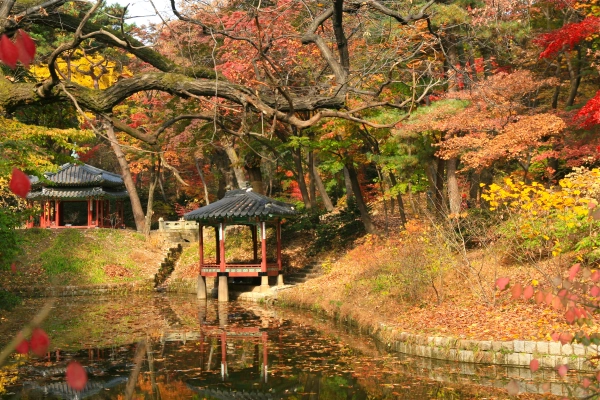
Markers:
(90, 208)
(279, 263)
(222, 274)
(56, 213)
(264, 277)
(255, 241)
(201, 290)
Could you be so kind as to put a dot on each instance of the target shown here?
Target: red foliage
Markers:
(568, 36)
(26, 47)
(8, 52)
(76, 376)
(88, 155)
(590, 113)
(23, 347)
(19, 183)
(39, 342)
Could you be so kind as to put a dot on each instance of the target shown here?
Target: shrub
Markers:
(8, 301)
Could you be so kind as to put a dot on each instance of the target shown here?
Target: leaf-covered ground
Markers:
(381, 282)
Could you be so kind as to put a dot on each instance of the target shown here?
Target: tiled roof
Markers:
(81, 175)
(76, 193)
(239, 204)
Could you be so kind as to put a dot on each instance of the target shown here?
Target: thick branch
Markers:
(112, 37)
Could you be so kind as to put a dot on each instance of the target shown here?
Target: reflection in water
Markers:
(224, 351)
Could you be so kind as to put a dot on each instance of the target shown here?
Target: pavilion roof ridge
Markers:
(71, 174)
(240, 203)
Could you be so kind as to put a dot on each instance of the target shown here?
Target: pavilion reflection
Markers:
(241, 340)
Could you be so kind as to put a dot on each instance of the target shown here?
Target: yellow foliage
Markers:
(84, 70)
(547, 216)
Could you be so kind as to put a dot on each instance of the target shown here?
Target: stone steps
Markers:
(310, 271)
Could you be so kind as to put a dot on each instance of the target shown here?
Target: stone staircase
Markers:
(311, 270)
(168, 265)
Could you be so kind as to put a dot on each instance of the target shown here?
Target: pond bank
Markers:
(513, 353)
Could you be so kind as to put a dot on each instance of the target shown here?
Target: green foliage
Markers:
(9, 237)
(8, 301)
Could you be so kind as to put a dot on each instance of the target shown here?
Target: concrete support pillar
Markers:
(280, 280)
(223, 289)
(202, 311)
(201, 288)
(264, 283)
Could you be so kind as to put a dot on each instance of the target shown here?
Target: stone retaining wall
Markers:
(518, 353)
(514, 353)
(84, 290)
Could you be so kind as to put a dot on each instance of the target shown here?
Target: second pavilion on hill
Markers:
(240, 207)
(78, 196)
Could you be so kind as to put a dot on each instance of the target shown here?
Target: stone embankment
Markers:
(513, 353)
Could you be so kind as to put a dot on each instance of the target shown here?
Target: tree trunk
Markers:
(136, 205)
(574, 77)
(149, 207)
(453, 192)
(296, 155)
(255, 173)
(399, 199)
(348, 183)
(226, 176)
(240, 176)
(312, 189)
(360, 202)
(439, 187)
(321, 187)
(201, 174)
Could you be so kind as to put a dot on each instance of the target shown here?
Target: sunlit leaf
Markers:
(39, 342)
(534, 365)
(574, 271)
(8, 52)
(501, 283)
(528, 292)
(512, 388)
(562, 370)
(19, 183)
(516, 291)
(23, 346)
(26, 48)
(76, 376)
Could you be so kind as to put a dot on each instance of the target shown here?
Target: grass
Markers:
(78, 256)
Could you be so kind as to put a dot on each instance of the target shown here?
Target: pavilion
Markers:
(78, 196)
(240, 207)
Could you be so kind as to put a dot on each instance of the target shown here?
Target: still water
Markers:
(186, 349)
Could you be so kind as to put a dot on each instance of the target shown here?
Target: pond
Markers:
(206, 350)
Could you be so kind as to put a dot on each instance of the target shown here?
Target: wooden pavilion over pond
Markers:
(78, 196)
(240, 207)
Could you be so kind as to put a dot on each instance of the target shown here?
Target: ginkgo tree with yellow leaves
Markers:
(541, 221)
(91, 70)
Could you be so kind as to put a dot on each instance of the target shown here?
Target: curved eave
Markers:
(243, 207)
(76, 194)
